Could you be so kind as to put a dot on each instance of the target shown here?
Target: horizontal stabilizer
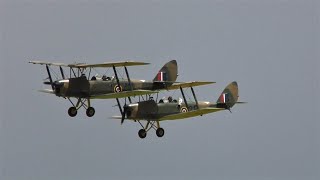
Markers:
(49, 91)
(123, 94)
(189, 114)
(189, 84)
(241, 102)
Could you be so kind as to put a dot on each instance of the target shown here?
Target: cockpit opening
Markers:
(103, 78)
(168, 100)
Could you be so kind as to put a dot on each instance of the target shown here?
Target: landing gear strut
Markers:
(85, 103)
(150, 125)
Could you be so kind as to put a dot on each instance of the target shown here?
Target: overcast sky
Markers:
(270, 47)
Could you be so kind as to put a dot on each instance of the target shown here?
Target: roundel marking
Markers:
(117, 88)
(183, 110)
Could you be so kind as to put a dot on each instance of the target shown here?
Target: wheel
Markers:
(90, 111)
(160, 132)
(72, 111)
(142, 133)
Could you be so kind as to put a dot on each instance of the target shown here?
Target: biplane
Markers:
(154, 111)
(84, 86)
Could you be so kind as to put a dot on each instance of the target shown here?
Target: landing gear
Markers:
(160, 132)
(142, 133)
(90, 111)
(150, 125)
(72, 111)
(85, 103)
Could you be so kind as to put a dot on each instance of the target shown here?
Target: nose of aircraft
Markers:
(127, 111)
(57, 86)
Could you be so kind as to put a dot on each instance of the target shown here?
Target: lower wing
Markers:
(189, 114)
(122, 94)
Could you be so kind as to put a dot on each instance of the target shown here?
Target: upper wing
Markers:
(110, 64)
(49, 63)
(189, 84)
(122, 94)
(83, 65)
(189, 114)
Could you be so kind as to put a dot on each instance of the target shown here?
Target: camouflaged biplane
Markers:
(153, 111)
(84, 86)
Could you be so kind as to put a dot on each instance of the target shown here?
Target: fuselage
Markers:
(150, 110)
(82, 87)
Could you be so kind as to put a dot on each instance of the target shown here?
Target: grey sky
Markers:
(270, 47)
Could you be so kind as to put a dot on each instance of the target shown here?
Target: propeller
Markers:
(47, 83)
(56, 85)
(125, 109)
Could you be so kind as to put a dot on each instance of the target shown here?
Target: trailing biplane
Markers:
(84, 86)
(153, 111)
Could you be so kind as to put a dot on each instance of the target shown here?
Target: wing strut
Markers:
(62, 73)
(119, 105)
(115, 73)
(184, 98)
(118, 82)
(50, 78)
(129, 81)
(195, 98)
(72, 71)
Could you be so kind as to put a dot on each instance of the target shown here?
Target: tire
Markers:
(72, 111)
(90, 112)
(142, 133)
(160, 132)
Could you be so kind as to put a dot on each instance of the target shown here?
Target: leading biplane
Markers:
(154, 112)
(84, 86)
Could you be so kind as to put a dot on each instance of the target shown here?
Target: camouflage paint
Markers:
(150, 110)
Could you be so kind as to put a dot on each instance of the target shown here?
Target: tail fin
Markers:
(169, 72)
(229, 96)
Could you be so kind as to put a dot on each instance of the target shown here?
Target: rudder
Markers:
(229, 96)
(169, 72)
